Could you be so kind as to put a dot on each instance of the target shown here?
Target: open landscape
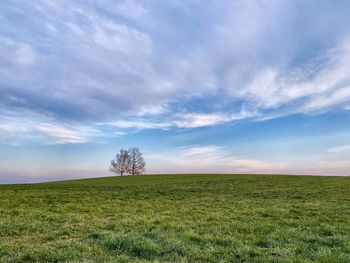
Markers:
(178, 218)
(175, 131)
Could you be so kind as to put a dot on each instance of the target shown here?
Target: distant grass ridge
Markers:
(177, 218)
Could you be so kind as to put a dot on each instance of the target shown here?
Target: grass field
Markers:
(178, 218)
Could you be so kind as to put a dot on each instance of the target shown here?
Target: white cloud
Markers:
(211, 152)
(184, 120)
(62, 134)
(138, 124)
(207, 159)
(338, 149)
(25, 55)
(328, 100)
(116, 37)
(15, 56)
(15, 131)
(129, 9)
(321, 86)
(194, 120)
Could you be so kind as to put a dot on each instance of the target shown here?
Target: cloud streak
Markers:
(61, 134)
(339, 149)
(208, 159)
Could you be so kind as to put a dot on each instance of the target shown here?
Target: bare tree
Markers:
(128, 162)
(137, 163)
(121, 164)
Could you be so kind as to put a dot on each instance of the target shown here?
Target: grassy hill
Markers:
(178, 218)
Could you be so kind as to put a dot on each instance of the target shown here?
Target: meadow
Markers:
(178, 218)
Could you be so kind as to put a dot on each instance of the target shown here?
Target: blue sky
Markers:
(200, 86)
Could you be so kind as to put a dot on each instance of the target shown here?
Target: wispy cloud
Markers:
(207, 159)
(138, 124)
(48, 131)
(340, 148)
(194, 120)
(62, 134)
(181, 120)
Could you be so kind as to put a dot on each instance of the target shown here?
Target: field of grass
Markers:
(178, 218)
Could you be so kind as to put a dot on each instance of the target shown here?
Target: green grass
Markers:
(178, 218)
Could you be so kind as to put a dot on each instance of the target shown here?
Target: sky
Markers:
(215, 86)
